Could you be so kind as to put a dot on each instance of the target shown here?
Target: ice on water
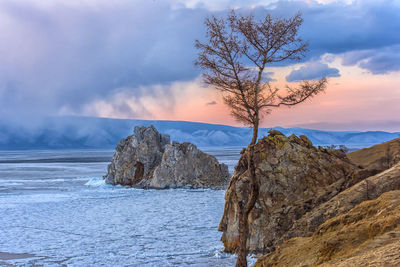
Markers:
(64, 214)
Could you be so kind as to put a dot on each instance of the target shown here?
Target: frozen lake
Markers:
(56, 211)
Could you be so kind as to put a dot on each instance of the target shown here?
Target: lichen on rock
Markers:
(293, 177)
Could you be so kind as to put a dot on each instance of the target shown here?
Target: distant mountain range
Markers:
(72, 132)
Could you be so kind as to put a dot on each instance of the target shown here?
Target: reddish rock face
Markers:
(294, 177)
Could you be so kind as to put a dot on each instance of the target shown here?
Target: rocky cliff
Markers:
(146, 159)
(359, 226)
(294, 177)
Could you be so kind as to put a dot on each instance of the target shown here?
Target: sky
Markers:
(134, 59)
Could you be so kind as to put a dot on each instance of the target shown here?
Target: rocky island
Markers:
(147, 159)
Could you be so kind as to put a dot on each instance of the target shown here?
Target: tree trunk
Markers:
(255, 134)
(246, 208)
(243, 233)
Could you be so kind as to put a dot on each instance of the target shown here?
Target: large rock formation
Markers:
(359, 226)
(293, 177)
(146, 159)
(136, 157)
(367, 235)
(379, 157)
(185, 165)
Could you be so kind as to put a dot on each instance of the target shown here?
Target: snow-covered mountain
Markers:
(87, 132)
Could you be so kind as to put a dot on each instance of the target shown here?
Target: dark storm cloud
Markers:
(312, 71)
(68, 55)
(63, 55)
(337, 27)
(364, 24)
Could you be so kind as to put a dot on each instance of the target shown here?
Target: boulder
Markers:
(294, 177)
(146, 159)
(379, 157)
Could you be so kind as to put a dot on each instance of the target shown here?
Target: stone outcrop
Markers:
(368, 189)
(136, 157)
(146, 159)
(183, 165)
(379, 157)
(367, 235)
(294, 177)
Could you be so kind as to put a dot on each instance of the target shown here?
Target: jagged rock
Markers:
(367, 235)
(379, 157)
(274, 132)
(136, 157)
(185, 165)
(293, 177)
(146, 159)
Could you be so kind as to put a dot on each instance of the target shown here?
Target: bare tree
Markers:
(234, 60)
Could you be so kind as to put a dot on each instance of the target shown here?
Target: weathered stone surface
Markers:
(274, 132)
(136, 157)
(379, 157)
(367, 235)
(293, 177)
(184, 165)
(146, 159)
(368, 189)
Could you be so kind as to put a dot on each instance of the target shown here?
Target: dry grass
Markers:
(378, 157)
(366, 235)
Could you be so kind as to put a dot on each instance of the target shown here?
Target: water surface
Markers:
(56, 211)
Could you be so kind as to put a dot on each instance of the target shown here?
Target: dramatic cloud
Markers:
(85, 56)
(178, 99)
(312, 71)
(338, 27)
(65, 55)
(379, 61)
